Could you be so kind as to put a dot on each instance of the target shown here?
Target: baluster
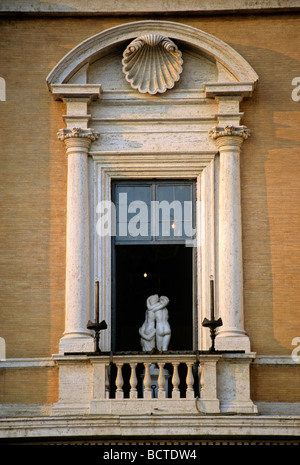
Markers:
(175, 382)
(161, 382)
(147, 382)
(190, 381)
(201, 379)
(107, 386)
(119, 382)
(133, 381)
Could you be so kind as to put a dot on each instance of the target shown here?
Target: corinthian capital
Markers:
(231, 131)
(74, 133)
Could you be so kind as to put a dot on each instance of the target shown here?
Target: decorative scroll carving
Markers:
(241, 131)
(64, 134)
(152, 63)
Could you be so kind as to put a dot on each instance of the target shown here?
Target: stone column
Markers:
(231, 336)
(76, 337)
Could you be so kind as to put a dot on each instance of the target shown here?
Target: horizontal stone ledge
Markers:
(242, 89)
(184, 96)
(261, 360)
(106, 7)
(148, 358)
(16, 363)
(161, 426)
(145, 120)
(154, 155)
(279, 360)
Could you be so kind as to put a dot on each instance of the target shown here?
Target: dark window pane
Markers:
(145, 270)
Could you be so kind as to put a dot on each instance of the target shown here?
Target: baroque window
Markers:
(119, 128)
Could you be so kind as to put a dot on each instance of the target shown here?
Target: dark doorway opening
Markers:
(144, 270)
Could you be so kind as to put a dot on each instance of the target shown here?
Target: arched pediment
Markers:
(224, 56)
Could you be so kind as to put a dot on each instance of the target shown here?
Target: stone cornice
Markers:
(86, 92)
(106, 7)
(221, 89)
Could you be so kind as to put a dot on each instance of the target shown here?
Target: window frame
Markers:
(201, 167)
(153, 183)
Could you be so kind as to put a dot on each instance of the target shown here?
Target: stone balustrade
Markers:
(163, 383)
(152, 376)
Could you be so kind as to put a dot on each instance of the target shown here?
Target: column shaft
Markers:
(230, 243)
(231, 335)
(77, 299)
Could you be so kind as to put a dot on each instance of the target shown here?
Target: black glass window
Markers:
(151, 256)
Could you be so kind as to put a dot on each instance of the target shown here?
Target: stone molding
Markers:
(152, 63)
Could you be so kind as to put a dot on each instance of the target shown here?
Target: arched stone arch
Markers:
(101, 43)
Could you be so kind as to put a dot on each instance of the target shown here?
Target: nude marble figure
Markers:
(156, 330)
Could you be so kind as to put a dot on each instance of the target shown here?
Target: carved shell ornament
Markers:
(152, 63)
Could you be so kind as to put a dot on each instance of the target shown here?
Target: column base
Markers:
(76, 344)
(240, 342)
(239, 407)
